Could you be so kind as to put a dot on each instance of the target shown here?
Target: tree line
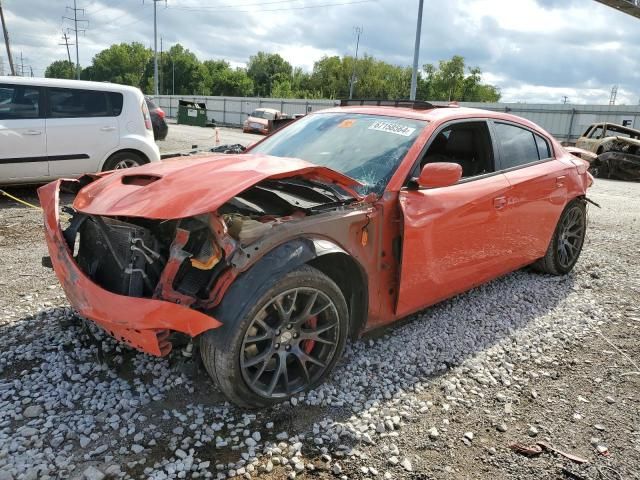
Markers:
(270, 75)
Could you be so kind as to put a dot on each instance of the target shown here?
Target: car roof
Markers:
(436, 114)
(270, 110)
(64, 83)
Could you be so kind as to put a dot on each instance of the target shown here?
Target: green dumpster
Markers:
(192, 113)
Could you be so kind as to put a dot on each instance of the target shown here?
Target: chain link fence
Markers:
(565, 122)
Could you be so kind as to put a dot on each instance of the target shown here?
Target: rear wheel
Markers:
(121, 160)
(287, 342)
(566, 244)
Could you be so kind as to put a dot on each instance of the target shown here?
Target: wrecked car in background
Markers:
(617, 149)
(265, 121)
(342, 222)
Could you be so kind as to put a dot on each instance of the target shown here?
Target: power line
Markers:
(304, 7)
(75, 29)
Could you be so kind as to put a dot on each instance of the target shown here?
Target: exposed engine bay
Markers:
(181, 260)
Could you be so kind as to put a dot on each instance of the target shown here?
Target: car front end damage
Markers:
(145, 278)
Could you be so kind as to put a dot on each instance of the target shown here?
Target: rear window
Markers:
(263, 114)
(19, 102)
(518, 145)
(76, 103)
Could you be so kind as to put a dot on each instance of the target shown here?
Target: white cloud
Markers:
(534, 50)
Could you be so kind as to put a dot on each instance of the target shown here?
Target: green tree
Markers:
(191, 76)
(61, 69)
(223, 80)
(449, 82)
(124, 63)
(263, 68)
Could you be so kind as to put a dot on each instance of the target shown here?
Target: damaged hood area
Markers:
(183, 188)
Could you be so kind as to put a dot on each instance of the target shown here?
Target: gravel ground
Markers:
(526, 358)
(185, 138)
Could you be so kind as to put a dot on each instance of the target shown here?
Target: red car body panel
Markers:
(196, 186)
(452, 238)
(140, 322)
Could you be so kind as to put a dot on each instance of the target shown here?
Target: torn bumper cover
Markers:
(143, 323)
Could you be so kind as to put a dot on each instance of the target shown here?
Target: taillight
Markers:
(146, 116)
(160, 112)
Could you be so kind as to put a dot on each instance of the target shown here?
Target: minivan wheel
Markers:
(121, 160)
(287, 341)
(565, 247)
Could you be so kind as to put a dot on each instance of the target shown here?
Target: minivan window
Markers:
(19, 102)
(518, 145)
(75, 103)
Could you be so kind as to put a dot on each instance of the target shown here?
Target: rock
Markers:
(33, 411)
(181, 454)
(501, 427)
(393, 460)
(250, 442)
(337, 469)
(135, 448)
(268, 467)
(601, 449)
(256, 436)
(532, 432)
(610, 400)
(84, 441)
(92, 473)
(433, 433)
(469, 436)
(406, 464)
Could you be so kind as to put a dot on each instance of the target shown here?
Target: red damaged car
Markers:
(341, 222)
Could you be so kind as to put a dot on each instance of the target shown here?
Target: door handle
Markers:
(107, 129)
(560, 181)
(499, 202)
(33, 132)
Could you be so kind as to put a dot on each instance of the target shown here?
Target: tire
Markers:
(124, 159)
(567, 241)
(274, 338)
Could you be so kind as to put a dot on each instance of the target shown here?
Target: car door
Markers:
(453, 237)
(81, 130)
(23, 139)
(537, 193)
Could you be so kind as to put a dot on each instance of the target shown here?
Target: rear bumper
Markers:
(143, 323)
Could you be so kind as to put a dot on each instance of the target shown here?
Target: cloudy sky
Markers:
(534, 50)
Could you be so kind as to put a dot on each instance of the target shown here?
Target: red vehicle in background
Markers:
(343, 221)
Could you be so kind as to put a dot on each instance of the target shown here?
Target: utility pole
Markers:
(358, 31)
(21, 65)
(155, 45)
(75, 29)
(66, 42)
(565, 99)
(12, 67)
(416, 54)
(161, 68)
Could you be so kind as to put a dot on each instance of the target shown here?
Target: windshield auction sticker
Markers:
(390, 127)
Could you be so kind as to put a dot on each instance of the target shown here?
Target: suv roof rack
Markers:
(414, 104)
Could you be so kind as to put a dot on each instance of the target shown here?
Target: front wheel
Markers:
(121, 160)
(568, 238)
(287, 342)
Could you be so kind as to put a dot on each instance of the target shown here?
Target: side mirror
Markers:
(439, 175)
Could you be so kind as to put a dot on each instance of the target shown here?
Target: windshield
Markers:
(368, 148)
(263, 114)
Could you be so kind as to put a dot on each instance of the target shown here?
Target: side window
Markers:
(518, 145)
(19, 102)
(467, 144)
(544, 151)
(116, 100)
(597, 132)
(74, 103)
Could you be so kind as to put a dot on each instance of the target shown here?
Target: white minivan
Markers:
(53, 128)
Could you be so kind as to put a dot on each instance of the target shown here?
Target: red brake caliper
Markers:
(308, 345)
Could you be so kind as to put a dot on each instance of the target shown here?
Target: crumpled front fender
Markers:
(143, 323)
